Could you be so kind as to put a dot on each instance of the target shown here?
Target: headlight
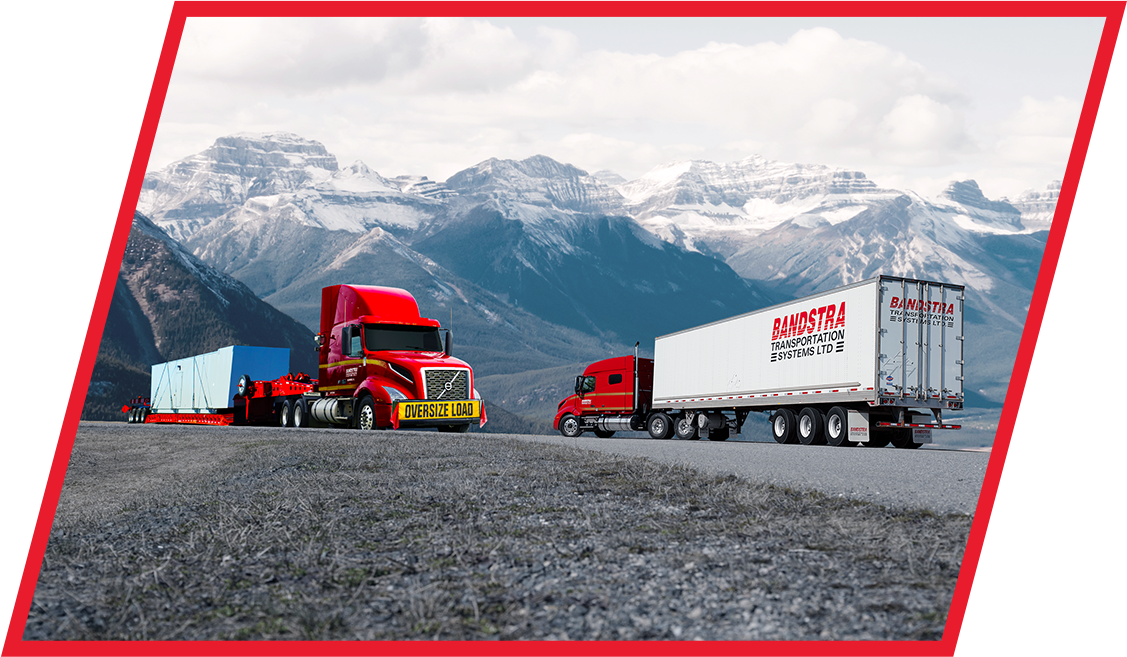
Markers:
(393, 394)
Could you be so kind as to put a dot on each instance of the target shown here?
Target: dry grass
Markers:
(217, 533)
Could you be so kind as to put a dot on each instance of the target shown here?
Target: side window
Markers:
(355, 348)
(588, 383)
(350, 341)
(614, 378)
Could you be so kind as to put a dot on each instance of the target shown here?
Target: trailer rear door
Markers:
(921, 333)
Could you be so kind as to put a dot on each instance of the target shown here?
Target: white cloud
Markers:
(1039, 132)
(433, 96)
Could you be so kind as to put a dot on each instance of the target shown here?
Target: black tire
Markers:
(837, 428)
(454, 428)
(365, 416)
(878, 438)
(570, 427)
(809, 427)
(131, 416)
(902, 439)
(142, 415)
(660, 426)
(782, 427)
(299, 413)
(284, 414)
(601, 433)
(684, 428)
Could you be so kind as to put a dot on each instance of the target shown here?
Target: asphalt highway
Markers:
(939, 480)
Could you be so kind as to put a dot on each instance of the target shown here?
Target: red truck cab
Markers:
(611, 395)
(383, 365)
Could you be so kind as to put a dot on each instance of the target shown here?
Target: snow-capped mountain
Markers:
(1037, 207)
(718, 208)
(189, 193)
(538, 181)
(615, 259)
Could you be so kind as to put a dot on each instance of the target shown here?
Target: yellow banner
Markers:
(409, 411)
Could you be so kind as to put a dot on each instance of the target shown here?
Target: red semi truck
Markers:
(872, 363)
(382, 365)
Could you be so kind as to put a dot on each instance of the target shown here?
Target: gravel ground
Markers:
(248, 533)
(942, 480)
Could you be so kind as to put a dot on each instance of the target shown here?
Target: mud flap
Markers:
(858, 427)
(921, 436)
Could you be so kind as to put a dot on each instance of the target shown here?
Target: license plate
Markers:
(409, 411)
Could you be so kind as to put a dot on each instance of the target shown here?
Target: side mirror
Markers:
(449, 348)
(579, 385)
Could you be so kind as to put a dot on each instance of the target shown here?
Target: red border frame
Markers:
(85, 89)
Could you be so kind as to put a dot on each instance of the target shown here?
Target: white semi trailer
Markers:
(872, 363)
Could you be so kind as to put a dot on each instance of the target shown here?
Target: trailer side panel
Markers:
(823, 346)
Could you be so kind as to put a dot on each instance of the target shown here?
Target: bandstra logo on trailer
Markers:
(814, 332)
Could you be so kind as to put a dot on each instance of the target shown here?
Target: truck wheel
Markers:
(837, 427)
(659, 426)
(685, 428)
(602, 433)
(810, 424)
(569, 426)
(782, 427)
(365, 414)
(284, 414)
(299, 414)
(902, 439)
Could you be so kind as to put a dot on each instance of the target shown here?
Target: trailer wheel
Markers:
(902, 439)
(284, 414)
(782, 427)
(660, 426)
(569, 426)
(809, 426)
(878, 438)
(685, 428)
(365, 414)
(837, 427)
(143, 415)
(603, 433)
(299, 414)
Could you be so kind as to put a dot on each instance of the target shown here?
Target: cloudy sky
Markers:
(914, 103)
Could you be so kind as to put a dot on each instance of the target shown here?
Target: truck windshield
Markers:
(384, 337)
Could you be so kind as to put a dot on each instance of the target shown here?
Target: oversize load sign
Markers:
(409, 411)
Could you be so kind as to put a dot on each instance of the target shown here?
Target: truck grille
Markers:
(437, 380)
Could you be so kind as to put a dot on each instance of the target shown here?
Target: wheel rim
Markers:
(833, 427)
(780, 426)
(658, 426)
(684, 427)
(570, 425)
(298, 415)
(284, 416)
(805, 425)
(367, 417)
